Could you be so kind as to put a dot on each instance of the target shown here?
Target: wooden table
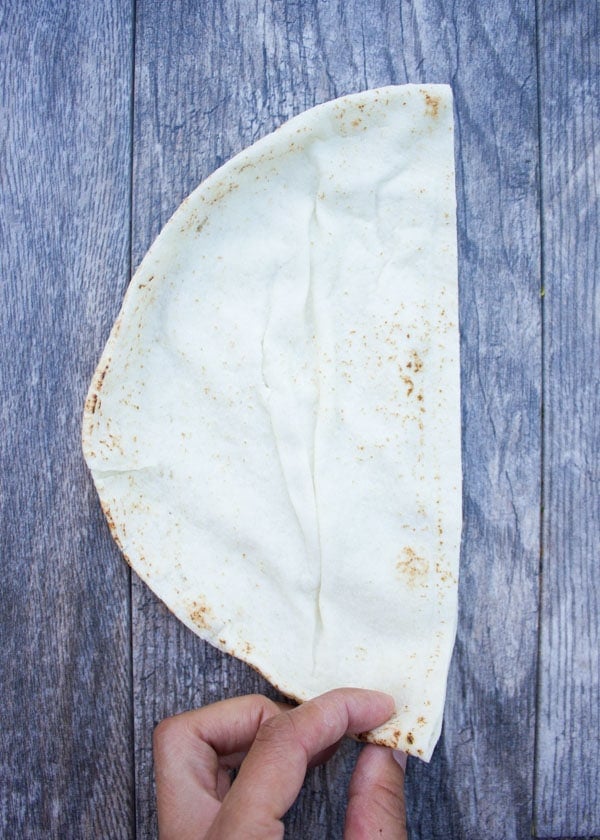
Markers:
(112, 111)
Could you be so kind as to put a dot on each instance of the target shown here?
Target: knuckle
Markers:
(165, 732)
(278, 728)
(388, 799)
(268, 707)
(387, 792)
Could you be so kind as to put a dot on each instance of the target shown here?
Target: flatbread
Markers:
(274, 426)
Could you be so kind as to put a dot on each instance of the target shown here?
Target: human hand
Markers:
(273, 745)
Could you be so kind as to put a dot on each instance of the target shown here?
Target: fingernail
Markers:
(400, 758)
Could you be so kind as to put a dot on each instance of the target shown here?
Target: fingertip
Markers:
(388, 701)
(376, 768)
(374, 765)
(367, 708)
(376, 796)
(386, 705)
(363, 709)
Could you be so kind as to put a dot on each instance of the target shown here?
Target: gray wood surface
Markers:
(66, 735)
(568, 746)
(110, 114)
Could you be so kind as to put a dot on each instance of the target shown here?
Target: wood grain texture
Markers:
(211, 79)
(65, 742)
(568, 746)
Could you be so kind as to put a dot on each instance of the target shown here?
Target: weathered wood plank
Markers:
(210, 79)
(65, 743)
(568, 745)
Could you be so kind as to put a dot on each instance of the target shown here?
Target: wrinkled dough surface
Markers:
(274, 427)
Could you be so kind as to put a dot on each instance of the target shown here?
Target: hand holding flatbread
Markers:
(272, 745)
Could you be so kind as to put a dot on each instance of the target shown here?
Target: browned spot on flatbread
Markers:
(373, 739)
(432, 104)
(91, 403)
(410, 385)
(445, 574)
(412, 567)
(200, 613)
(101, 375)
(410, 738)
(416, 362)
(113, 528)
(223, 190)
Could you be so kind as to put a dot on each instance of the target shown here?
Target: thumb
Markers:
(376, 797)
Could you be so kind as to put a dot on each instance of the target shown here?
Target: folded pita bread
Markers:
(274, 425)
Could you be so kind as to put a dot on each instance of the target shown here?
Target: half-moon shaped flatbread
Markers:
(274, 425)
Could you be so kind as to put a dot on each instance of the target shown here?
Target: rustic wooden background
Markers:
(111, 112)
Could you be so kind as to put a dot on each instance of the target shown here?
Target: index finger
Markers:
(272, 773)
